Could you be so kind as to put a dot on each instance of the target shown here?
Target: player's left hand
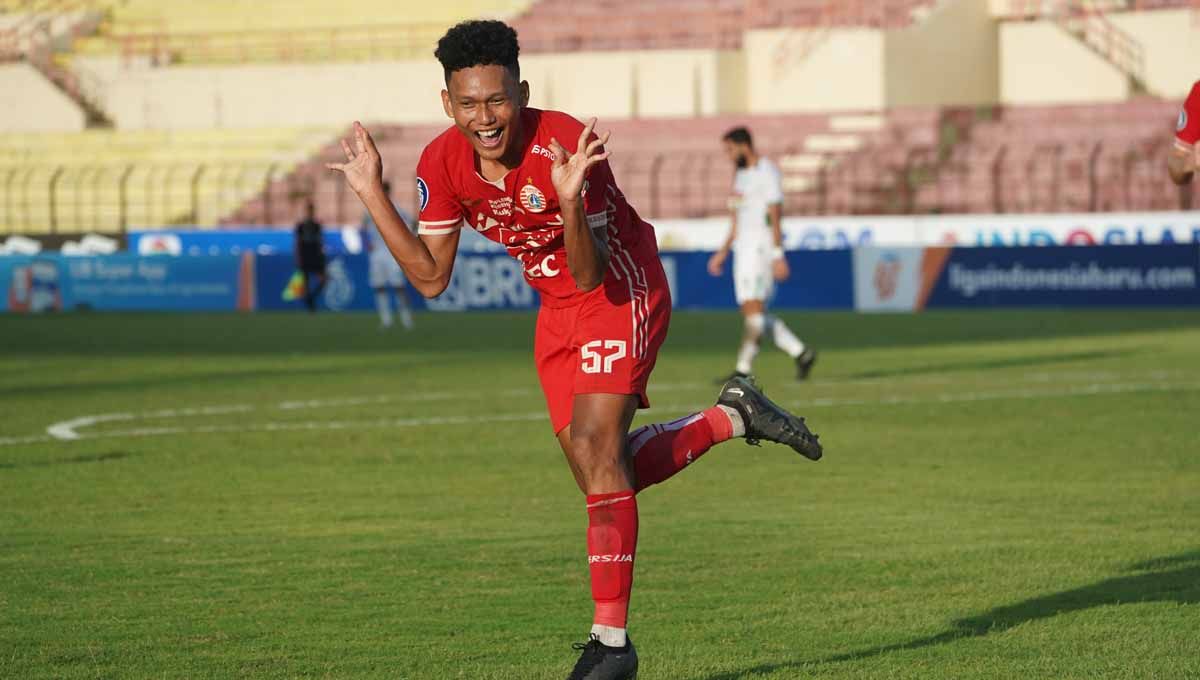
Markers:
(780, 269)
(569, 170)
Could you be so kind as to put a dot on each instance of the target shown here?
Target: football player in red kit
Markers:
(1184, 158)
(538, 182)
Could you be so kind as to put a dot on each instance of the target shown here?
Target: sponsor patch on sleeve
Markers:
(422, 193)
(597, 221)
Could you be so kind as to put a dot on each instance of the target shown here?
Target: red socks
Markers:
(660, 451)
(612, 544)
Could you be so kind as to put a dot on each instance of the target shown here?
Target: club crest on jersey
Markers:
(422, 193)
(532, 199)
(1183, 121)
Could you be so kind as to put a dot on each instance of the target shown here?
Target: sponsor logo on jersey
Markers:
(609, 559)
(546, 268)
(532, 199)
(539, 150)
(1183, 121)
(422, 193)
(501, 207)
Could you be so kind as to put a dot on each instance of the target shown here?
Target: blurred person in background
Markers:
(385, 272)
(756, 240)
(310, 255)
(1184, 156)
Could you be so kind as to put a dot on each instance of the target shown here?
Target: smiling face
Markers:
(485, 103)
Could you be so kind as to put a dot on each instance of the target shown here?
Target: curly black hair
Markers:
(479, 43)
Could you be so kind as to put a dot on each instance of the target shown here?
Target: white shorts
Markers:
(385, 272)
(753, 278)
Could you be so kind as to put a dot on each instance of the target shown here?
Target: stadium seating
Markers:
(665, 173)
(1056, 159)
(105, 181)
(239, 31)
(566, 25)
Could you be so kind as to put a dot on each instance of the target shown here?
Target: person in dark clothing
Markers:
(310, 255)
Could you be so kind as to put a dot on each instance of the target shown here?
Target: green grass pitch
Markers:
(1004, 495)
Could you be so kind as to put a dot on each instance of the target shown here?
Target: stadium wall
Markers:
(668, 83)
(843, 70)
(1171, 40)
(950, 59)
(31, 103)
(1040, 63)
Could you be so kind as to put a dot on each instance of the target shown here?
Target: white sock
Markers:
(750, 342)
(739, 425)
(784, 338)
(609, 636)
(384, 306)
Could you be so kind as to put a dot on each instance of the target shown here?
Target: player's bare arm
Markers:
(1184, 157)
(426, 260)
(1182, 163)
(587, 255)
(779, 265)
(716, 263)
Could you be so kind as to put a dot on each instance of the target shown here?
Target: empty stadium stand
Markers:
(106, 181)
(240, 31)
(914, 129)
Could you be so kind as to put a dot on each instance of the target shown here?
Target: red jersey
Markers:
(1187, 131)
(521, 210)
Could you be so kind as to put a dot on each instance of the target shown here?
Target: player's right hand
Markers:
(716, 263)
(363, 167)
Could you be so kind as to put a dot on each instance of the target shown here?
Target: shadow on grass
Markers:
(1007, 362)
(1170, 579)
(74, 460)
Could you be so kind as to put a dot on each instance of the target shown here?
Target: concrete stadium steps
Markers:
(667, 168)
(105, 181)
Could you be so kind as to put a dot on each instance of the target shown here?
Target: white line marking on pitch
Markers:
(945, 398)
(67, 429)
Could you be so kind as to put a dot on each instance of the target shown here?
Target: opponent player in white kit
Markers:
(756, 239)
(384, 272)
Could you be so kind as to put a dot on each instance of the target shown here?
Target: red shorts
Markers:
(606, 344)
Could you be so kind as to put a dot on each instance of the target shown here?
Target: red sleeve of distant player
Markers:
(441, 213)
(1187, 131)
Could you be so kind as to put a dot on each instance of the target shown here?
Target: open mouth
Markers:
(489, 139)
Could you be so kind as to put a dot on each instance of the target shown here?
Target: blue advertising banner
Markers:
(1162, 275)
(819, 280)
(479, 282)
(346, 285)
(52, 282)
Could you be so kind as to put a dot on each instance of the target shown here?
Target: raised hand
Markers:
(363, 167)
(569, 170)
